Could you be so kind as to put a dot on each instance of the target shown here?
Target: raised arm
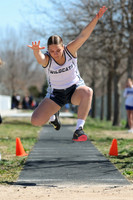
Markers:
(85, 33)
(40, 57)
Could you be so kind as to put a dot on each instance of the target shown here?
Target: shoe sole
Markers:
(55, 127)
(82, 138)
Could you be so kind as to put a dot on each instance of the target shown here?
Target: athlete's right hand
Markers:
(35, 46)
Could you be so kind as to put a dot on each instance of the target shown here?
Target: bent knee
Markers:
(88, 92)
(36, 121)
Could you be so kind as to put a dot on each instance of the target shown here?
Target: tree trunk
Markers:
(130, 57)
(130, 66)
(109, 95)
(102, 99)
(102, 108)
(117, 101)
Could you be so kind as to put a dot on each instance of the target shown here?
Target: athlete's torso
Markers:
(62, 76)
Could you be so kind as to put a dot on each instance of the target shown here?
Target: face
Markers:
(56, 51)
(129, 82)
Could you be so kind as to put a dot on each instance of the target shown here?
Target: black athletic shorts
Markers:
(63, 96)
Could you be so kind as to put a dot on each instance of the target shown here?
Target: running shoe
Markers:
(56, 123)
(79, 135)
(130, 131)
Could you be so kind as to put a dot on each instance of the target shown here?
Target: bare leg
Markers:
(130, 118)
(44, 111)
(83, 98)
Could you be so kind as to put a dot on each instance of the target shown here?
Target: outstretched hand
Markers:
(101, 12)
(35, 46)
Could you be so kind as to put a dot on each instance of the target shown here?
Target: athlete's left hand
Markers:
(101, 12)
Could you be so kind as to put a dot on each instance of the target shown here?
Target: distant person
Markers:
(65, 83)
(18, 99)
(0, 119)
(67, 107)
(128, 94)
(15, 101)
(26, 102)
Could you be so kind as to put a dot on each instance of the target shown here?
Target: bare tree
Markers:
(129, 20)
(20, 70)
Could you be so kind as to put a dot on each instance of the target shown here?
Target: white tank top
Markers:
(62, 76)
(128, 94)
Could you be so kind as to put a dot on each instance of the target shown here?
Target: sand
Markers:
(66, 192)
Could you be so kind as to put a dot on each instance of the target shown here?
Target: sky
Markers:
(12, 11)
(15, 14)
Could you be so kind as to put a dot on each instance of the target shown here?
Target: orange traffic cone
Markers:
(19, 148)
(113, 149)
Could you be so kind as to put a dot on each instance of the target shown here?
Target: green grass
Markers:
(11, 165)
(101, 133)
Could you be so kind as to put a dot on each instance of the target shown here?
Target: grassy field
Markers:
(10, 164)
(101, 133)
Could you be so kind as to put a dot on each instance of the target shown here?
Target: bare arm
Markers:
(40, 57)
(85, 33)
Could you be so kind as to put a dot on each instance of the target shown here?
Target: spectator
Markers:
(128, 94)
(26, 102)
(0, 119)
(67, 107)
(15, 101)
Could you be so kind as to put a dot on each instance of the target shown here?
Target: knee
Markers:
(38, 120)
(88, 93)
(35, 121)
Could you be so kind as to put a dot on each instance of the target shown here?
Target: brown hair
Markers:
(129, 82)
(54, 39)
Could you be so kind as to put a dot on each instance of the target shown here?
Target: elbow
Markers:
(39, 62)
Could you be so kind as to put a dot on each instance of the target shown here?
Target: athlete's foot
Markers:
(56, 123)
(79, 135)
